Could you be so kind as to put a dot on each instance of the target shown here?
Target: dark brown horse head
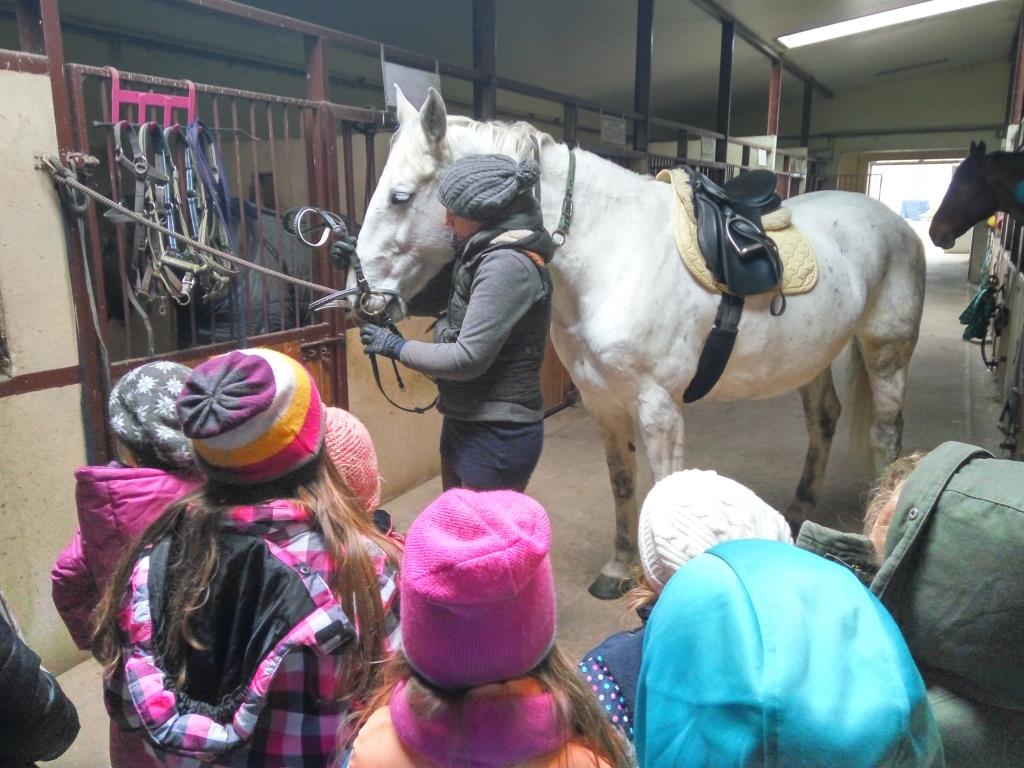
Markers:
(968, 200)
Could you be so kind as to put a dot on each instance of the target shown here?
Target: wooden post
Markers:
(39, 24)
(570, 123)
(485, 58)
(1018, 77)
(805, 117)
(30, 26)
(725, 89)
(322, 183)
(682, 144)
(774, 98)
(642, 73)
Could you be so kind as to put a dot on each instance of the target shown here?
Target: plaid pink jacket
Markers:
(286, 714)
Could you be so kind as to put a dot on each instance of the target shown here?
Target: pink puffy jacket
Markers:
(115, 505)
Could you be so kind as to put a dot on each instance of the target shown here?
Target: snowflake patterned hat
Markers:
(477, 592)
(253, 415)
(143, 416)
(691, 511)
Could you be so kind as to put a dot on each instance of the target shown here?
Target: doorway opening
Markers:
(913, 188)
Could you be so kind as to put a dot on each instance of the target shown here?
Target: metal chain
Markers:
(63, 175)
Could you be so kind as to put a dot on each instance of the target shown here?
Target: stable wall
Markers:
(898, 113)
(42, 436)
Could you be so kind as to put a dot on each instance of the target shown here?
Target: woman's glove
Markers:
(342, 251)
(380, 341)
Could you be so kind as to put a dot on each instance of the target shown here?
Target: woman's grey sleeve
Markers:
(504, 288)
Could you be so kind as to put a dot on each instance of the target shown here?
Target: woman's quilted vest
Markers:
(514, 376)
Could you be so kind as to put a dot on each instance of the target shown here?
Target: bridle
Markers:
(314, 227)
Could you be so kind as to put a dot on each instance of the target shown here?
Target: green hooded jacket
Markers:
(952, 576)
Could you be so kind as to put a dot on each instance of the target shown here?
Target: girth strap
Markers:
(717, 349)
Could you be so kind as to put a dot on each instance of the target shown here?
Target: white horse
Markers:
(629, 321)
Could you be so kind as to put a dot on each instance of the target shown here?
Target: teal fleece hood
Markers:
(760, 654)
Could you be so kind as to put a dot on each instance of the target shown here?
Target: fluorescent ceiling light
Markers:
(877, 21)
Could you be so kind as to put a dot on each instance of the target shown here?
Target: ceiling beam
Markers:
(760, 44)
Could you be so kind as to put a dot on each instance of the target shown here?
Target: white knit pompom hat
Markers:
(691, 511)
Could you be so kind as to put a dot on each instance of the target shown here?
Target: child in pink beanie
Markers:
(351, 450)
(480, 680)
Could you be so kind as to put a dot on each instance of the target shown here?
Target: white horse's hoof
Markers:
(610, 587)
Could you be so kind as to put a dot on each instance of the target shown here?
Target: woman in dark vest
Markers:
(490, 345)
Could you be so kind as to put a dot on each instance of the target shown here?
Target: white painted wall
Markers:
(42, 436)
(897, 108)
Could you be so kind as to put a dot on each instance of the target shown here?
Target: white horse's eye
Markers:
(399, 196)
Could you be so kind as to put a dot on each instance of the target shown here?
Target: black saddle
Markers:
(732, 240)
(740, 256)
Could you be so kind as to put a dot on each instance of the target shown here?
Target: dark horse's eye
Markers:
(399, 196)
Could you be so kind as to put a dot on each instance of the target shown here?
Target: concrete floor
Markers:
(761, 444)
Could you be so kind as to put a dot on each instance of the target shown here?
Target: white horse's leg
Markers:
(660, 419)
(886, 339)
(887, 361)
(616, 426)
(821, 412)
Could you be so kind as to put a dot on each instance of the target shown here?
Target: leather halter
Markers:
(565, 221)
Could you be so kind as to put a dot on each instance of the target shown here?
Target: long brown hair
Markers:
(195, 522)
(578, 710)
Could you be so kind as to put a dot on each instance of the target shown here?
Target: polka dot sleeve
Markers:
(606, 691)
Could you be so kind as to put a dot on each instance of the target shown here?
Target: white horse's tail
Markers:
(861, 407)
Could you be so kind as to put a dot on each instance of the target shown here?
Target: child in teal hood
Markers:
(760, 654)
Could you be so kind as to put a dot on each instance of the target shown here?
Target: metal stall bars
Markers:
(269, 143)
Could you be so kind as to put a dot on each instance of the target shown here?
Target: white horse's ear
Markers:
(434, 117)
(404, 110)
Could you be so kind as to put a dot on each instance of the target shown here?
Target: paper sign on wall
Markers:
(413, 82)
(707, 148)
(762, 157)
(613, 129)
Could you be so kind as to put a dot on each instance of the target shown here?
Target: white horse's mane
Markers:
(466, 136)
(514, 139)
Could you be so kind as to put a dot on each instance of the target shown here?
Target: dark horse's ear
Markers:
(978, 148)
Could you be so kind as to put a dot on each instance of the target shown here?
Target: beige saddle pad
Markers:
(799, 267)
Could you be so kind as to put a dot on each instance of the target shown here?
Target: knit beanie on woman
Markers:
(477, 592)
(253, 415)
(487, 187)
(144, 417)
(351, 450)
(691, 511)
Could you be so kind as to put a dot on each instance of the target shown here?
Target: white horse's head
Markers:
(403, 241)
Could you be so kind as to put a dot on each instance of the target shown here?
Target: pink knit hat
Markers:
(477, 593)
(351, 450)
